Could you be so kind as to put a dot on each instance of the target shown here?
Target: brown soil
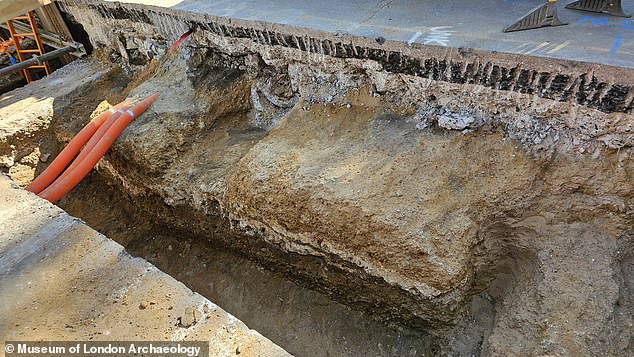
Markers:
(305, 322)
(267, 169)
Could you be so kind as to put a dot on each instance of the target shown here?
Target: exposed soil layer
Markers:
(60, 280)
(497, 220)
(306, 322)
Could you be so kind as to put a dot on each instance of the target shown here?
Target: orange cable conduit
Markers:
(61, 161)
(54, 192)
(180, 40)
(91, 144)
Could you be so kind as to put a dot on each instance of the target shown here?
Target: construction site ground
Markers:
(341, 195)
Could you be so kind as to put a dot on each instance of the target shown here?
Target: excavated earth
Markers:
(483, 203)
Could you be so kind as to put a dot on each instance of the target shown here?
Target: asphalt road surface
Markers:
(589, 37)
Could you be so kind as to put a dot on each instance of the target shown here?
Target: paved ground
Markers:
(478, 24)
(61, 280)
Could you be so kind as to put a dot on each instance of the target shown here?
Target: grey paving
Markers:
(589, 37)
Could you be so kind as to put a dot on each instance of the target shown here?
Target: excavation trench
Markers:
(346, 197)
(306, 216)
(305, 322)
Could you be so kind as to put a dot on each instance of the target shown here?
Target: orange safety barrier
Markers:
(54, 192)
(4, 45)
(61, 161)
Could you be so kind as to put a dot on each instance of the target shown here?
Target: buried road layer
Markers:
(331, 193)
(305, 322)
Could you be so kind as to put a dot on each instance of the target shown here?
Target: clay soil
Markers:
(304, 322)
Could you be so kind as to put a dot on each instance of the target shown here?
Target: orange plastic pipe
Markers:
(180, 40)
(91, 144)
(61, 161)
(54, 192)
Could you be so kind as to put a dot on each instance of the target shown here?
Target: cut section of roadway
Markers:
(588, 37)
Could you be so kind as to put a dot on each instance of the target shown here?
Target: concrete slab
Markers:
(61, 280)
(37, 99)
(589, 37)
